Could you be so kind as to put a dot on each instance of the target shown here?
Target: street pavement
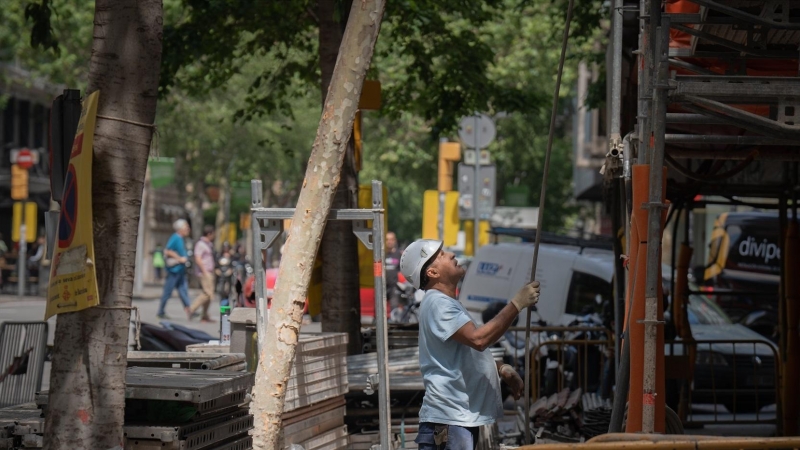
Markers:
(31, 309)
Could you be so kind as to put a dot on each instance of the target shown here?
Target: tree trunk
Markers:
(87, 383)
(308, 223)
(341, 306)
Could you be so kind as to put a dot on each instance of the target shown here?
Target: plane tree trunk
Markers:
(87, 383)
(320, 184)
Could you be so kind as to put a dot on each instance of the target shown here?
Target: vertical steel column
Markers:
(656, 206)
(476, 188)
(442, 195)
(645, 64)
(616, 75)
(256, 193)
(378, 259)
(615, 145)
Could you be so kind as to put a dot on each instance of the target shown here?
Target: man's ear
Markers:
(432, 273)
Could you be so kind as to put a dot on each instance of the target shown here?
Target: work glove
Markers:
(527, 296)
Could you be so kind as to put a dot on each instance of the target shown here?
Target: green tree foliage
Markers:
(50, 38)
(240, 82)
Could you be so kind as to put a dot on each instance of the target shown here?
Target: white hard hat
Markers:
(415, 256)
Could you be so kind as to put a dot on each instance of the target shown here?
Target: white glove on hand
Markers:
(527, 296)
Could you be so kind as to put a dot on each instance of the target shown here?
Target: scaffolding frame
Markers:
(268, 223)
(669, 105)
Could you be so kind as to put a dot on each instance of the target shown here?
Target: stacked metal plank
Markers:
(216, 401)
(404, 371)
(21, 426)
(319, 371)
(314, 408)
(397, 337)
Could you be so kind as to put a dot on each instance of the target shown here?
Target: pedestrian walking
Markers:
(176, 259)
(158, 262)
(204, 270)
(462, 380)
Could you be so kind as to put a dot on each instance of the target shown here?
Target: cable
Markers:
(716, 177)
(540, 220)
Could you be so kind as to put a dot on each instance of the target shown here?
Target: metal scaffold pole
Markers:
(656, 206)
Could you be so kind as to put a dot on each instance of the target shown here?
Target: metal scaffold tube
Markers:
(551, 134)
(656, 208)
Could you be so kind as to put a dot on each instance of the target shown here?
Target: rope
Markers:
(152, 126)
(550, 136)
(138, 320)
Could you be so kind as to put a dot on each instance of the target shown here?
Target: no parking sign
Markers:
(73, 280)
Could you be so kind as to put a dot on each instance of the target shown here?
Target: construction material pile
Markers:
(405, 336)
(314, 408)
(164, 408)
(570, 416)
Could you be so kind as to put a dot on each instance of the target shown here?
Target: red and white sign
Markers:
(24, 158)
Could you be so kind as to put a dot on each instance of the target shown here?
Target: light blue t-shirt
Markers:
(462, 386)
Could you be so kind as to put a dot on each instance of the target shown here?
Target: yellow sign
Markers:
(483, 235)
(232, 233)
(19, 182)
(430, 217)
(30, 221)
(73, 280)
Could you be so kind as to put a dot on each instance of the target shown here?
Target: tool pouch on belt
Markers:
(440, 434)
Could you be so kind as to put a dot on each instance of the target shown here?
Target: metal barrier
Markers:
(585, 371)
(742, 375)
(581, 348)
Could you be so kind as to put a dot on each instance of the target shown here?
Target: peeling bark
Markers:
(321, 180)
(87, 383)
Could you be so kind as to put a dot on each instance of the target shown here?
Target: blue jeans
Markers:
(174, 280)
(458, 438)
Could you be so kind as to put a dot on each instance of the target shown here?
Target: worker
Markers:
(462, 380)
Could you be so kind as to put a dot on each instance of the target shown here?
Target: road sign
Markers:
(19, 183)
(25, 159)
(477, 131)
(469, 157)
(486, 191)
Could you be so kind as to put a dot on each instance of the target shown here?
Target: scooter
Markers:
(408, 300)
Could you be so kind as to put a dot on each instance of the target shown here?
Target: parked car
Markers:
(738, 373)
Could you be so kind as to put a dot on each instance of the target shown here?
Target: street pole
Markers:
(22, 272)
(442, 196)
(476, 186)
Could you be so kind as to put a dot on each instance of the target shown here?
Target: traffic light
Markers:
(19, 182)
(449, 152)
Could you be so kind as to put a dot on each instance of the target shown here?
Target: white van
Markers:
(575, 280)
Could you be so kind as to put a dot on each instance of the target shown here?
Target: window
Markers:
(39, 128)
(587, 293)
(8, 123)
(24, 123)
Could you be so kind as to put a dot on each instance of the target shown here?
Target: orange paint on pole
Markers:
(635, 303)
(377, 268)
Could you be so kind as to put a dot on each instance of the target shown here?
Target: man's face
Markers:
(445, 268)
(391, 241)
(184, 231)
